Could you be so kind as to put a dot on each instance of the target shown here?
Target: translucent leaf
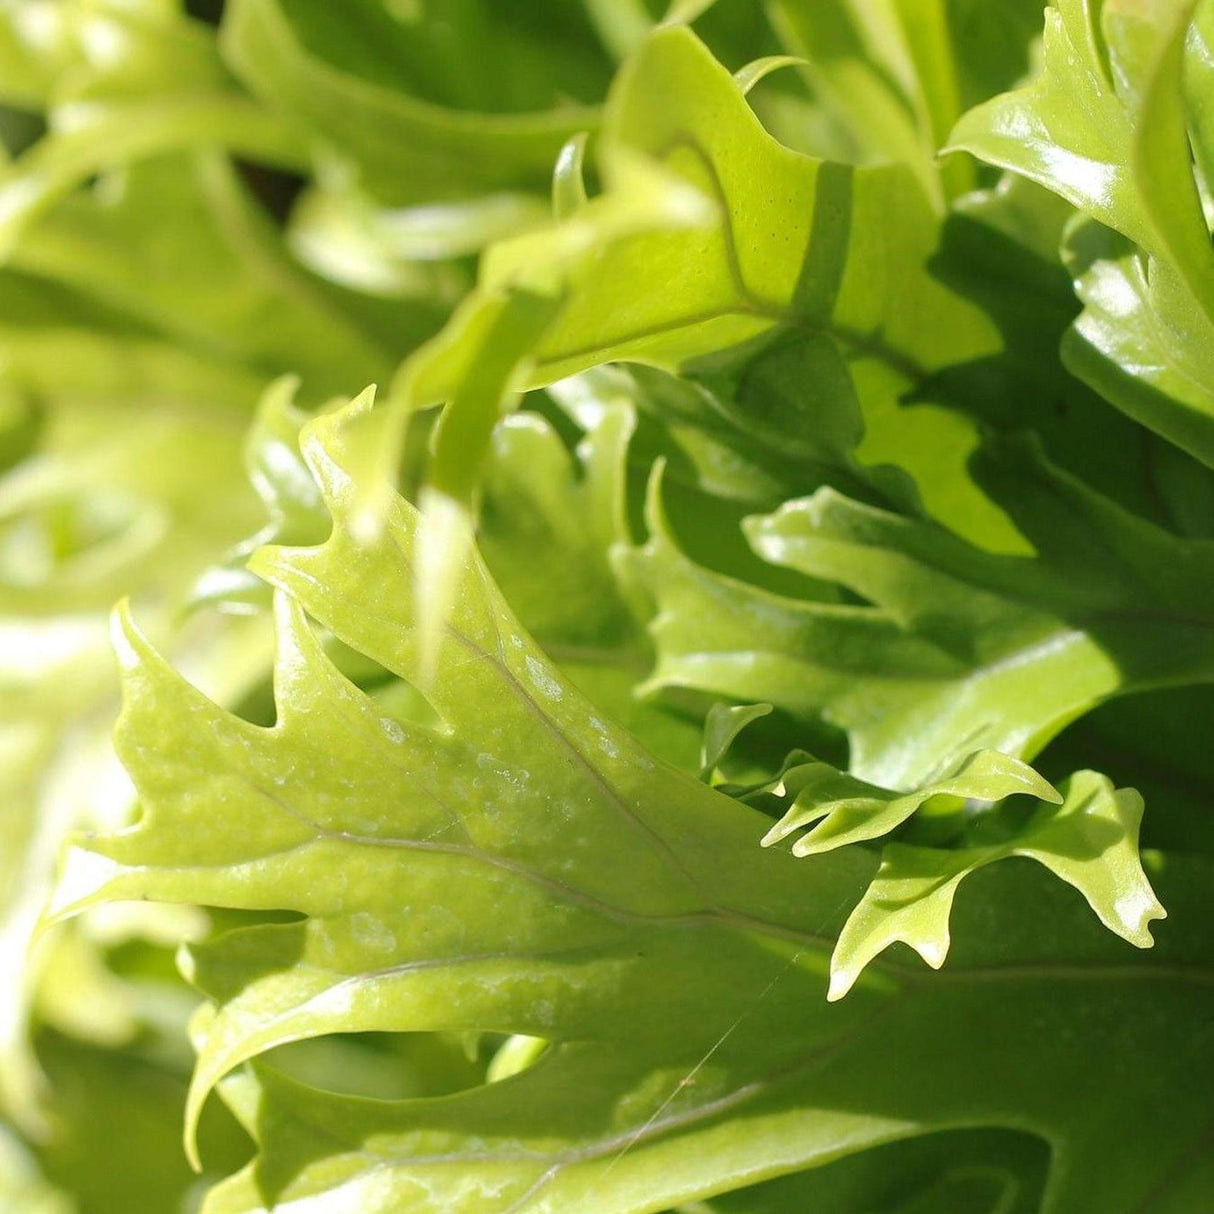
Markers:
(1090, 840)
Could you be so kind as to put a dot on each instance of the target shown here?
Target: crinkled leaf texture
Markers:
(1090, 840)
(525, 867)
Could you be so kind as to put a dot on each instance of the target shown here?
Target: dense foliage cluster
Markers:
(630, 521)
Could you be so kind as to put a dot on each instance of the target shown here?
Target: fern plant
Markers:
(658, 559)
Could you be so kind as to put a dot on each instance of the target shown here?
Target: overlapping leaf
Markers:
(900, 74)
(951, 649)
(1106, 126)
(1090, 840)
(1004, 248)
(1087, 835)
(841, 809)
(778, 241)
(526, 867)
(174, 255)
(791, 243)
(124, 81)
(452, 834)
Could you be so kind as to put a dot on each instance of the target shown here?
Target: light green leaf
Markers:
(22, 1188)
(1106, 126)
(1090, 840)
(858, 62)
(342, 236)
(35, 45)
(569, 178)
(794, 241)
(621, 24)
(899, 73)
(350, 240)
(1072, 128)
(1001, 248)
(841, 809)
(294, 510)
(115, 134)
(721, 728)
(780, 242)
(1140, 340)
(1198, 80)
(527, 868)
(959, 1172)
(687, 11)
(1147, 44)
(480, 941)
(135, 1165)
(550, 522)
(481, 362)
(762, 425)
(179, 248)
(759, 69)
(57, 346)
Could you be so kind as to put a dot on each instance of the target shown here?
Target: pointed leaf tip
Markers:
(569, 178)
(841, 982)
(128, 643)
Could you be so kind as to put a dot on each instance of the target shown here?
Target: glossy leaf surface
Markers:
(526, 867)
